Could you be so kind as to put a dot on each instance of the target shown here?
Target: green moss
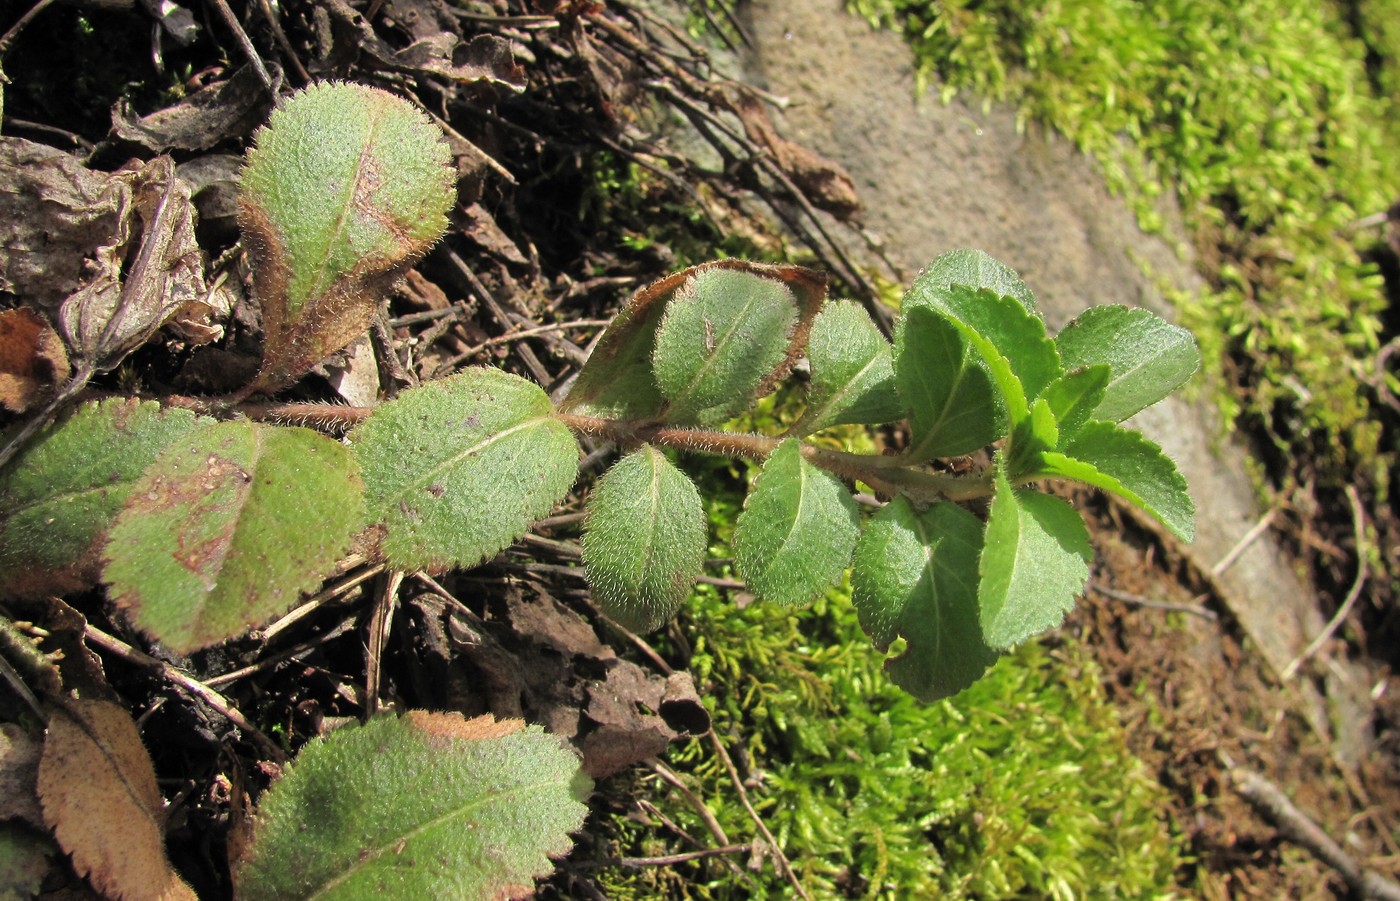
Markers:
(1269, 119)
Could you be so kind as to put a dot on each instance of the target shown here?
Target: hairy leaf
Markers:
(644, 544)
(458, 469)
(227, 528)
(1124, 462)
(970, 268)
(951, 403)
(915, 575)
(797, 531)
(1148, 358)
(58, 497)
(1074, 396)
(724, 333)
(852, 371)
(347, 186)
(430, 805)
(1002, 329)
(1035, 561)
(99, 795)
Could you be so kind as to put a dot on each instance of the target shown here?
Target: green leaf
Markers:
(797, 531)
(971, 268)
(457, 469)
(1074, 396)
(1124, 462)
(1032, 438)
(852, 371)
(428, 806)
(347, 186)
(228, 527)
(1035, 562)
(644, 544)
(915, 575)
(1148, 358)
(58, 497)
(724, 333)
(617, 381)
(952, 406)
(1000, 327)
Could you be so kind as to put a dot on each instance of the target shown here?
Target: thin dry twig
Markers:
(380, 623)
(676, 782)
(1138, 600)
(223, 705)
(1243, 544)
(1358, 522)
(1272, 804)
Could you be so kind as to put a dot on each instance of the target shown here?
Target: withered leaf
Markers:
(32, 360)
(217, 112)
(828, 186)
(484, 58)
(99, 795)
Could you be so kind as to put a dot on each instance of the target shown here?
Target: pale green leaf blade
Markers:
(1074, 396)
(431, 805)
(973, 268)
(798, 528)
(1037, 434)
(915, 575)
(228, 527)
(1035, 562)
(58, 497)
(949, 397)
(1000, 327)
(1148, 358)
(457, 469)
(725, 331)
(644, 544)
(347, 186)
(852, 371)
(1123, 461)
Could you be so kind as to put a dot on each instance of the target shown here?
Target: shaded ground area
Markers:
(576, 190)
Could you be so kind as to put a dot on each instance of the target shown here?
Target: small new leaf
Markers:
(644, 544)
(970, 268)
(797, 531)
(457, 469)
(1148, 358)
(1074, 396)
(1000, 328)
(949, 397)
(852, 371)
(226, 529)
(1035, 561)
(60, 495)
(1123, 461)
(431, 805)
(724, 333)
(347, 186)
(916, 575)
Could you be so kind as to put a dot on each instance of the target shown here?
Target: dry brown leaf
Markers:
(19, 768)
(826, 184)
(215, 113)
(99, 796)
(485, 57)
(32, 360)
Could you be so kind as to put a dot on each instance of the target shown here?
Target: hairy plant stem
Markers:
(889, 476)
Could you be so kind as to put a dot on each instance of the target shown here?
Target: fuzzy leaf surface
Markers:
(852, 371)
(798, 528)
(99, 795)
(915, 575)
(1035, 561)
(226, 529)
(723, 334)
(617, 381)
(969, 268)
(1074, 396)
(430, 805)
(457, 469)
(951, 403)
(644, 544)
(347, 186)
(1123, 461)
(58, 497)
(1148, 357)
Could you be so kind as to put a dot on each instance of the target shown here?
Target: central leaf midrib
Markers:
(683, 399)
(430, 475)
